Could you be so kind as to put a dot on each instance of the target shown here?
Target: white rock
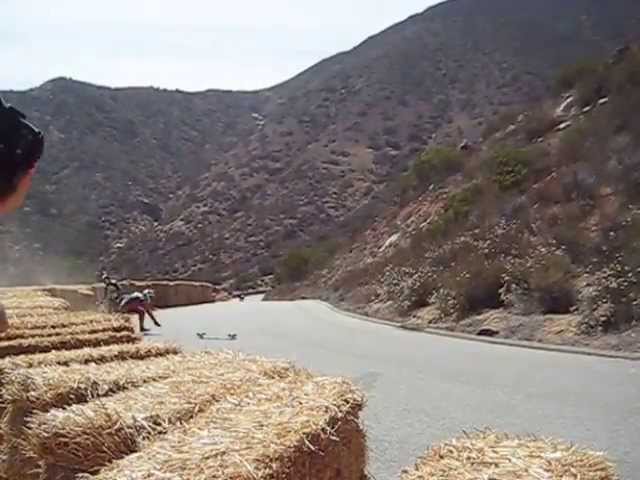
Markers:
(565, 107)
(563, 126)
(392, 240)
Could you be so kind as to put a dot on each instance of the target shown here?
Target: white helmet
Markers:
(148, 294)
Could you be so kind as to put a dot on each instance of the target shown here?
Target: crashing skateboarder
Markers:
(140, 303)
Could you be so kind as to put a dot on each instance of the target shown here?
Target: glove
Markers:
(21, 146)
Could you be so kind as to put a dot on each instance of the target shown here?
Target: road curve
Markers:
(423, 389)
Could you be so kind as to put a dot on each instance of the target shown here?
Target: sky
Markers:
(184, 44)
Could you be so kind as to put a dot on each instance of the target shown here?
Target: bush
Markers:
(436, 164)
(295, 266)
(510, 167)
(552, 284)
(478, 287)
(574, 239)
(457, 210)
(244, 281)
(420, 294)
(300, 262)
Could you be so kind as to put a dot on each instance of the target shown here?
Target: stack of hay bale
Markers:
(77, 407)
(41, 323)
(490, 455)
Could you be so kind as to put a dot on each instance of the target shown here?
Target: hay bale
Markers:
(48, 387)
(294, 428)
(78, 298)
(42, 389)
(488, 454)
(176, 293)
(85, 438)
(24, 346)
(28, 300)
(114, 324)
(111, 353)
(63, 320)
(12, 365)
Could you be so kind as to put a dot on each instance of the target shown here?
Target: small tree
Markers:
(436, 164)
(510, 167)
(300, 262)
(295, 266)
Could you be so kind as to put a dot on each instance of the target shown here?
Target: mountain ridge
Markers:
(209, 185)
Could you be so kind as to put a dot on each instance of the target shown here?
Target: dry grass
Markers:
(489, 455)
(25, 346)
(298, 427)
(84, 438)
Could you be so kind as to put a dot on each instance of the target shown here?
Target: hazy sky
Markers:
(186, 44)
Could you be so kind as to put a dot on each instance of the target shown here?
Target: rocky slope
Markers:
(208, 185)
(532, 233)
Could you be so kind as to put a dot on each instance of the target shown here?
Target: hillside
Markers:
(213, 184)
(533, 233)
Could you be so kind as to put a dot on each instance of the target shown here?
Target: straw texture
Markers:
(134, 351)
(64, 342)
(110, 325)
(41, 389)
(490, 455)
(59, 320)
(21, 302)
(84, 438)
(44, 388)
(296, 428)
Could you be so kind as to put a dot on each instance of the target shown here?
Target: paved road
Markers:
(423, 389)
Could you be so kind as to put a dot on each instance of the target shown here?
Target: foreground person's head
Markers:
(21, 146)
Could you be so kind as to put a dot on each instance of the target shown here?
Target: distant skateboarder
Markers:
(142, 304)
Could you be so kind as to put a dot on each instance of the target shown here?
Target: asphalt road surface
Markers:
(423, 389)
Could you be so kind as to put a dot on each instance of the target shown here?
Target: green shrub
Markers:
(476, 287)
(420, 294)
(296, 265)
(458, 208)
(300, 262)
(436, 164)
(552, 284)
(244, 281)
(510, 167)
